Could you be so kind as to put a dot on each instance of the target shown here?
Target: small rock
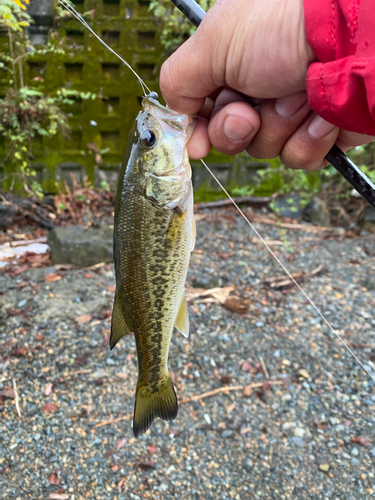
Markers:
(288, 205)
(163, 486)
(75, 245)
(286, 362)
(227, 433)
(355, 452)
(110, 361)
(304, 373)
(324, 467)
(334, 421)
(298, 441)
(317, 212)
(355, 462)
(21, 303)
(299, 432)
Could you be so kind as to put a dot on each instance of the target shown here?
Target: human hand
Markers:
(256, 49)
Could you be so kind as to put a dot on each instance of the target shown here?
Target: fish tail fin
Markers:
(150, 404)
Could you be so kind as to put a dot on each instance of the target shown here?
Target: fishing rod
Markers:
(337, 158)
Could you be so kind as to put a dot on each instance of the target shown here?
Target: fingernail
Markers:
(237, 128)
(319, 127)
(290, 104)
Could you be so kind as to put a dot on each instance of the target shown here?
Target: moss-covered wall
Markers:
(87, 65)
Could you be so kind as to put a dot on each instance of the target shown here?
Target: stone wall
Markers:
(128, 27)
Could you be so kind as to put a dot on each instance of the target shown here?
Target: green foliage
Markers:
(175, 26)
(28, 113)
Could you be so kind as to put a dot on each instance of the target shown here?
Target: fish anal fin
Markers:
(193, 234)
(151, 403)
(119, 327)
(182, 319)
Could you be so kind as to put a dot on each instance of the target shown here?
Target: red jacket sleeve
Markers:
(341, 84)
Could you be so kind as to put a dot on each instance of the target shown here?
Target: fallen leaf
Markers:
(146, 465)
(361, 440)
(120, 443)
(85, 318)
(225, 379)
(230, 408)
(151, 448)
(237, 305)
(247, 390)
(120, 483)
(114, 467)
(51, 277)
(112, 288)
(8, 393)
(54, 478)
(14, 312)
(49, 408)
(48, 389)
(246, 366)
(18, 352)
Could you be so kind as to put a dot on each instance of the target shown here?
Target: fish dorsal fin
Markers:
(193, 234)
(182, 320)
(119, 327)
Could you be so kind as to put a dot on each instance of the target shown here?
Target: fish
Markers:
(154, 235)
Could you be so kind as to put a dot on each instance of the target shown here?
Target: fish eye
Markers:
(148, 138)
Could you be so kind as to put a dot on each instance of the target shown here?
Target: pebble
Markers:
(272, 440)
(355, 452)
(324, 467)
(21, 303)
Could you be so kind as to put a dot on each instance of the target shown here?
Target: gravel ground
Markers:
(302, 428)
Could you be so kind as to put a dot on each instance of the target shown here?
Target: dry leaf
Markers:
(114, 467)
(54, 478)
(51, 277)
(8, 393)
(237, 305)
(247, 390)
(151, 448)
(230, 408)
(49, 408)
(85, 318)
(246, 366)
(146, 465)
(120, 443)
(14, 312)
(120, 483)
(361, 440)
(48, 389)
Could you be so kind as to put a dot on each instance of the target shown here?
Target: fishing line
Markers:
(289, 275)
(144, 86)
(82, 21)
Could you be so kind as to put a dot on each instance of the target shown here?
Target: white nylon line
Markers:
(289, 275)
(82, 21)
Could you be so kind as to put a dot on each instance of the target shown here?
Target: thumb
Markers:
(194, 71)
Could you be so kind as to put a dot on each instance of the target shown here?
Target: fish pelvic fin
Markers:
(182, 319)
(119, 327)
(150, 404)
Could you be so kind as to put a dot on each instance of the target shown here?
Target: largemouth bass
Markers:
(154, 234)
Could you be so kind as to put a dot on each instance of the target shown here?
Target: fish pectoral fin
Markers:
(182, 319)
(119, 327)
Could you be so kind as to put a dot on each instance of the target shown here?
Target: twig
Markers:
(16, 400)
(264, 367)
(237, 199)
(199, 396)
